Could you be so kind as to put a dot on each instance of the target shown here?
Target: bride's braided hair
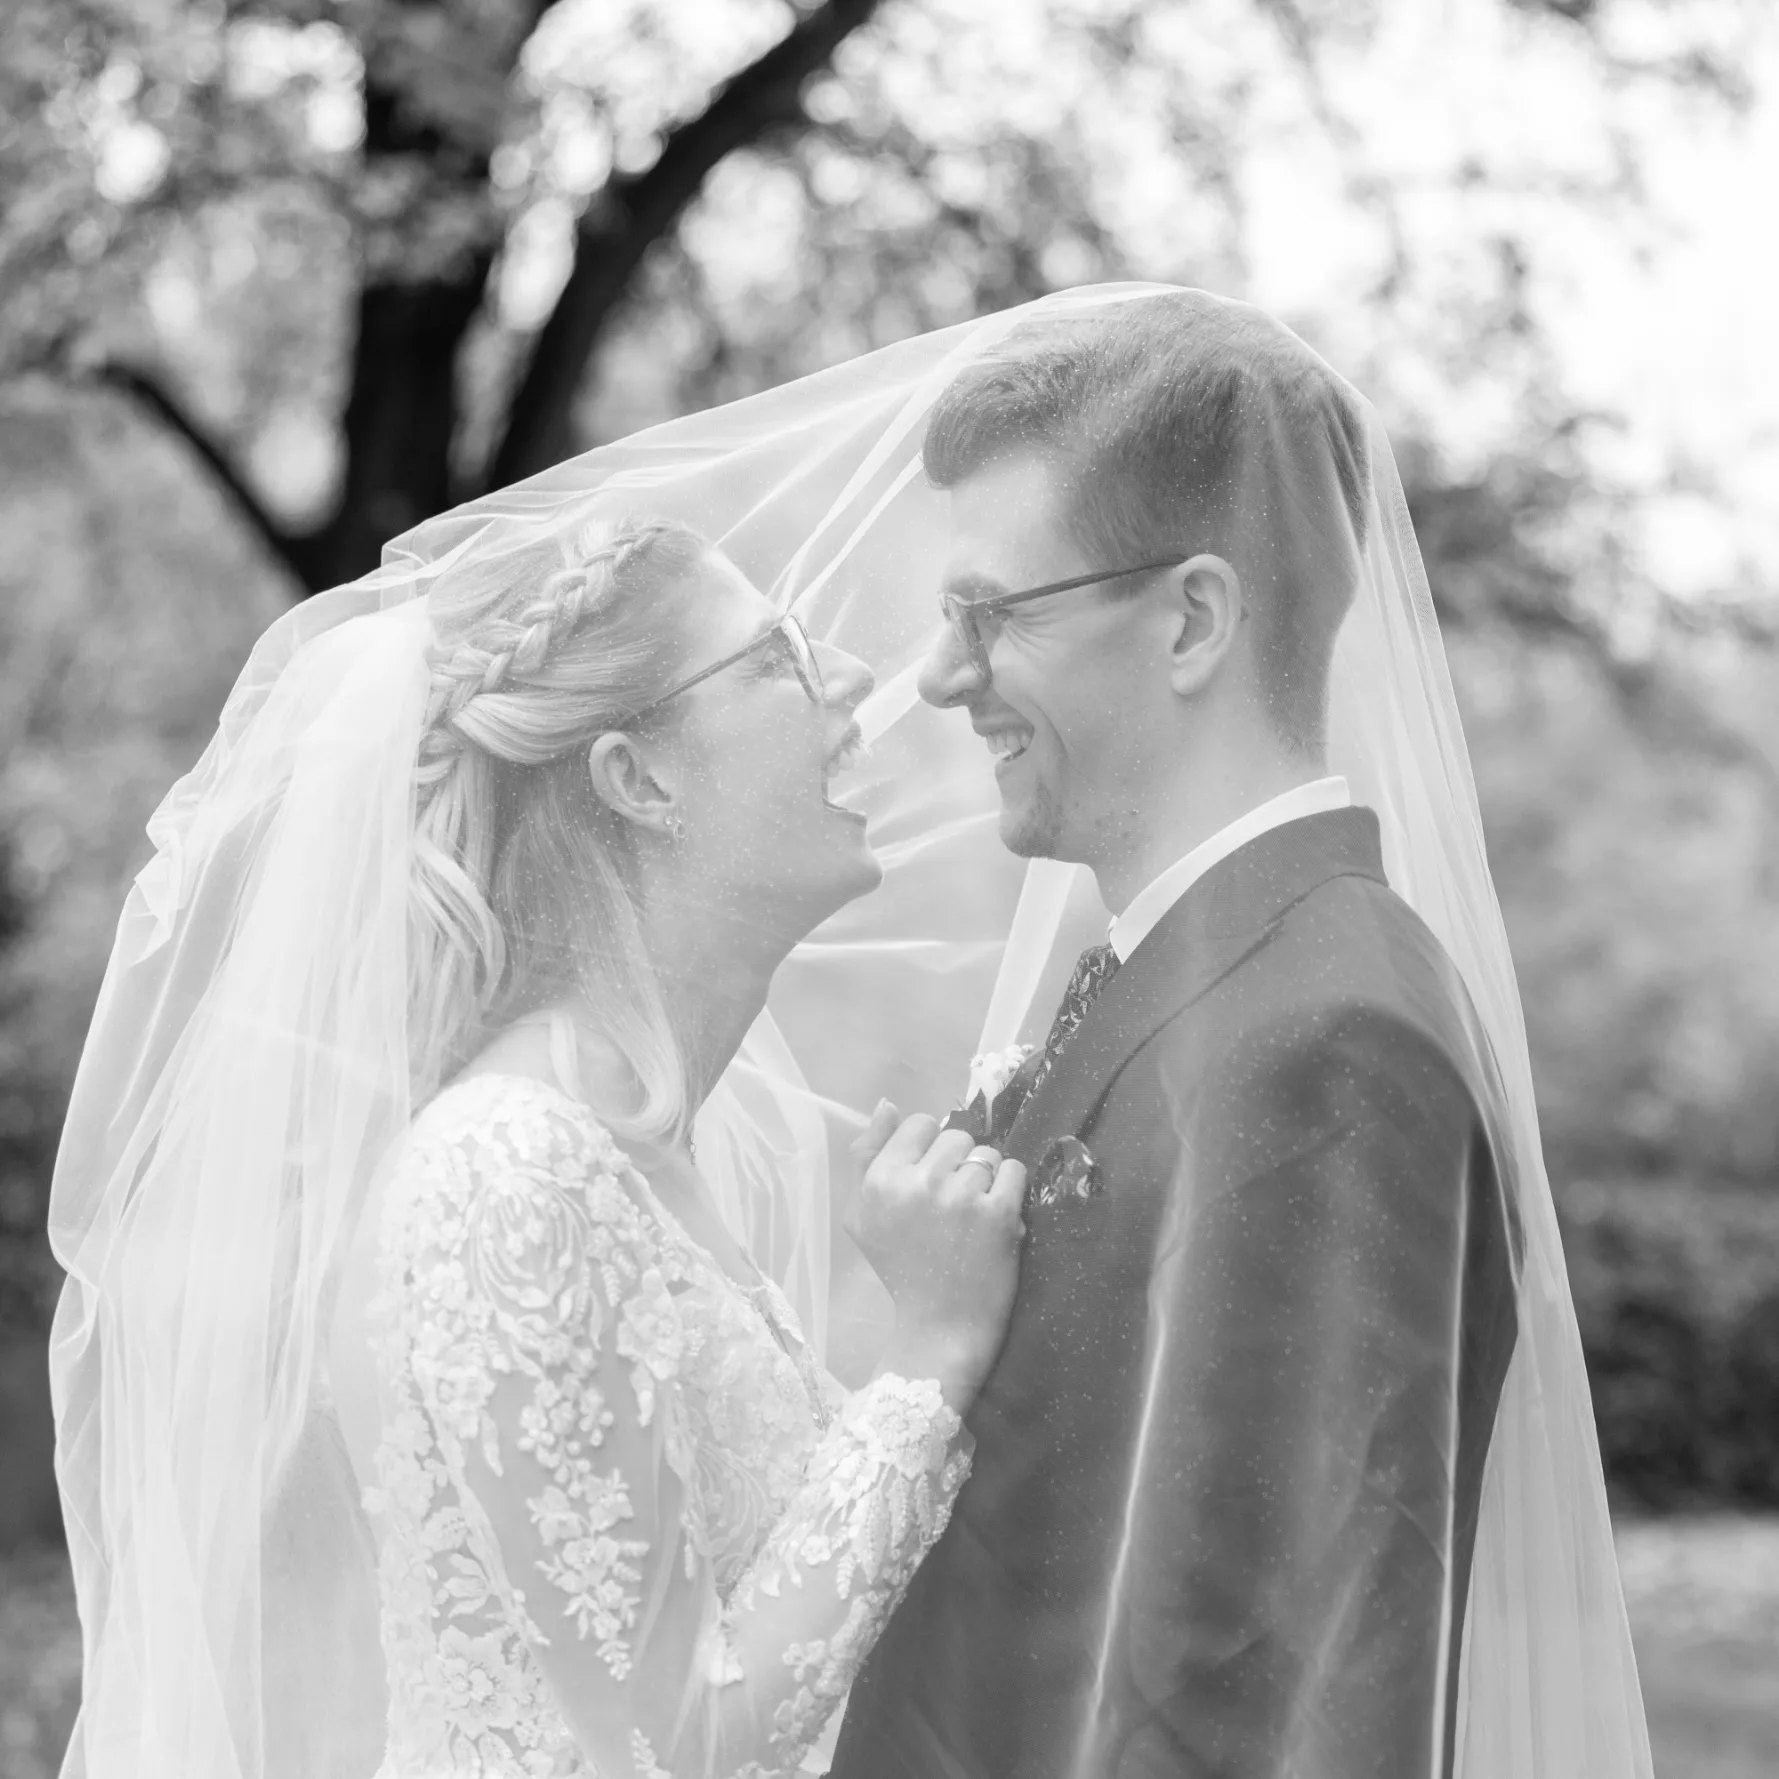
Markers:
(520, 887)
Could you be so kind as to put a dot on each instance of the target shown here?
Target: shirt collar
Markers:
(1150, 903)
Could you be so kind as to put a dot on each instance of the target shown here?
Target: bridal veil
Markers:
(247, 1072)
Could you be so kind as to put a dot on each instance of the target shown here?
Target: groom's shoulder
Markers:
(1348, 953)
(1352, 934)
(1353, 951)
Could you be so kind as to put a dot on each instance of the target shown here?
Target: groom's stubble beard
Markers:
(1038, 829)
(1034, 830)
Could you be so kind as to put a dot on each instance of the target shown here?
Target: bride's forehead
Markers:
(729, 593)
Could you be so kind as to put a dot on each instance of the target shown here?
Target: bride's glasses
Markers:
(787, 636)
(978, 621)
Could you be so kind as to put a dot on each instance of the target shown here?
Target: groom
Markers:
(1228, 1465)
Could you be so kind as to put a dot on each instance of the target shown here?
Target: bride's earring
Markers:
(676, 828)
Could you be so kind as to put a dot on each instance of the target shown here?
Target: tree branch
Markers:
(293, 550)
(633, 212)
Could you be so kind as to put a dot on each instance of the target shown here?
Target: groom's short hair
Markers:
(1185, 423)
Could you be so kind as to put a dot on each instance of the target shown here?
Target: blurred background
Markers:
(279, 278)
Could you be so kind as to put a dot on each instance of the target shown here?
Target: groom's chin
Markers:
(1029, 831)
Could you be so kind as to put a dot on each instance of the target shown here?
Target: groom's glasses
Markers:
(787, 636)
(978, 621)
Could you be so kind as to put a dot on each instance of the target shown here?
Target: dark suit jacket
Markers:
(1228, 1463)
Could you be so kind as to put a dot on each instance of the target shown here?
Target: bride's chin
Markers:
(860, 861)
(870, 871)
(816, 881)
(857, 869)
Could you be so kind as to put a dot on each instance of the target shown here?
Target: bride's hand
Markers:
(939, 1218)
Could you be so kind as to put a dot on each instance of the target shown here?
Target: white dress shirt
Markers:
(1150, 903)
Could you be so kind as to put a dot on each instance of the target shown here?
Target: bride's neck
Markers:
(710, 1002)
(714, 974)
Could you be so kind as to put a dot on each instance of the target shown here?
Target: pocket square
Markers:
(1066, 1175)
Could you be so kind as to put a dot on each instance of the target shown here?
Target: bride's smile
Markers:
(749, 763)
(842, 760)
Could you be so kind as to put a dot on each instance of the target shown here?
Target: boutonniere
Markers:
(999, 1080)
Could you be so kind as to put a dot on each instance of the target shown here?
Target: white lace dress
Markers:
(625, 1525)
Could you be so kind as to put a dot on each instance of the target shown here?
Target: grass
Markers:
(39, 1663)
(1704, 1598)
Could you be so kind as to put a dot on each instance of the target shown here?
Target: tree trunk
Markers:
(626, 219)
(401, 418)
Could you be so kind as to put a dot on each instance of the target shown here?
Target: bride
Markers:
(623, 1521)
(623, 1518)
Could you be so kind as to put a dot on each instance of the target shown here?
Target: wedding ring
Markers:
(989, 1160)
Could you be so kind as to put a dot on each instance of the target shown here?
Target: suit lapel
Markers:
(1220, 920)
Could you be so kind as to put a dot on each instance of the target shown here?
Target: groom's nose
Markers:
(947, 675)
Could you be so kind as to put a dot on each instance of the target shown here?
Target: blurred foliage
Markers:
(128, 600)
(1677, 1293)
(1632, 839)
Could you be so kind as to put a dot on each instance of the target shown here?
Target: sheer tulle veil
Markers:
(247, 1073)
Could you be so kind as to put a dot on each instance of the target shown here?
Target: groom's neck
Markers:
(1188, 808)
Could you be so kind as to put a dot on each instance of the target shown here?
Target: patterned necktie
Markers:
(1096, 966)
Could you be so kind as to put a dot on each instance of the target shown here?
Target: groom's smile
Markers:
(1007, 745)
(1059, 688)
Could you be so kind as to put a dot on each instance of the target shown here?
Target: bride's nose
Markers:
(846, 680)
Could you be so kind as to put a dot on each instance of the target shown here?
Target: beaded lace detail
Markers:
(625, 1525)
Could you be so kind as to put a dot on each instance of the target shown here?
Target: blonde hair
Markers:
(523, 882)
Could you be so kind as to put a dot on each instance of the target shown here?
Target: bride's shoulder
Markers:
(505, 1130)
(509, 1208)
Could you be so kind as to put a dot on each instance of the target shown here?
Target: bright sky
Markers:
(1663, 315)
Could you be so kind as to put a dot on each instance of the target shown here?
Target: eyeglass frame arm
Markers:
(763, 640)
(999, 601)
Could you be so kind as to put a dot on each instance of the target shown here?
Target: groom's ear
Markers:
(631, 783)
(1209, 604)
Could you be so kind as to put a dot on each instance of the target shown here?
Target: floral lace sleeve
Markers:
(565, 1468)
